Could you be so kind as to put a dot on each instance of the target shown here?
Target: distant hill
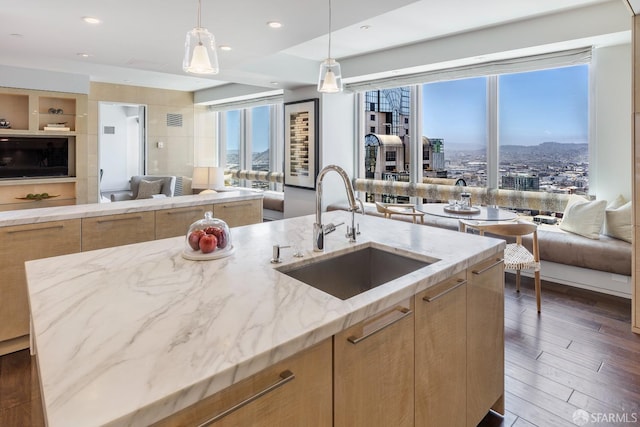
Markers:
(547, 151)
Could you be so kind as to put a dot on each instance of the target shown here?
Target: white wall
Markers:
(337, 145)
(113, 148)
(611, 157)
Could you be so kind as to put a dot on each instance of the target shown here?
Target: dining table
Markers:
(472, 213)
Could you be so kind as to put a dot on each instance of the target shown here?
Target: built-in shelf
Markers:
(14, 108)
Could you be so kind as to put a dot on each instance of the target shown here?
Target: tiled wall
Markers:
(177, 154)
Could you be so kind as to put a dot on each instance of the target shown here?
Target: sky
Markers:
(534, 107)
(259, 126)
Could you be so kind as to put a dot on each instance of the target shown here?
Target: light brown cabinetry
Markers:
(374, 371)
(19, 244)
(485, 339)
(32, 111)
(441, 354)
(239, 213)
(175, 222)
(294, 392)
(115, 230)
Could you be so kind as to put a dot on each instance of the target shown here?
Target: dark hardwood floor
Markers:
(579, 354)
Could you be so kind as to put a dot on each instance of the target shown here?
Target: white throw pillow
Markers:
(584, 218)
(618, 218)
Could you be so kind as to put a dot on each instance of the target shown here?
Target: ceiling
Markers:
(142, 42)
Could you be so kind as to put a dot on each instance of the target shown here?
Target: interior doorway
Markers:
(121, 146)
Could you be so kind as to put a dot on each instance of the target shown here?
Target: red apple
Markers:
(208, 243)
(194, 239)
(220, 235)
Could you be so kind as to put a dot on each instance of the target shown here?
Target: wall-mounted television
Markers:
(37, 157)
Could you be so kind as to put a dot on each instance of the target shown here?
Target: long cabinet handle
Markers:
(285, 377)
(488, 268)
(405, 312)
(184, 211)
(100, 221)
(49, 227)
(235, 206)
(459, 283)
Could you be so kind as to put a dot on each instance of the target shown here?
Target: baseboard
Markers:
(271, 215)
(584, 278)
(15, 344)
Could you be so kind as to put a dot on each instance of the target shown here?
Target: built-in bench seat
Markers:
(602, 264)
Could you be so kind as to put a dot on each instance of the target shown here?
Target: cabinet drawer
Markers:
(176, 222)
(23, 243)
(239, 213)
(441, 354)
(485, 339)
(294, 392)
(374, 370)
(115, 230)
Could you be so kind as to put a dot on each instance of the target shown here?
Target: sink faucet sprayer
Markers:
(318, 228)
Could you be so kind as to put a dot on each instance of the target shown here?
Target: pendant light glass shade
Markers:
(330, 78)
(200, 56)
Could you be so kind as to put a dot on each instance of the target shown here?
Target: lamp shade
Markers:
(330, 79)
(200, 56)
(207, 177)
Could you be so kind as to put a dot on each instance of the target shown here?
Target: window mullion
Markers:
(492, 132)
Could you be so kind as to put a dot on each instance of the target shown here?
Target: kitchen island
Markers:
(130, 335)
(30, 234)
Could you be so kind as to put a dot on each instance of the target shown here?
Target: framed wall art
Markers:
(301, 143)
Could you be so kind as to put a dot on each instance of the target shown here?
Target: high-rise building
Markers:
(520, 182)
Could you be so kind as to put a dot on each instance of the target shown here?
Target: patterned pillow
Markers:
(146, 189)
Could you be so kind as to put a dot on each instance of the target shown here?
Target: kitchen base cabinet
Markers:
(19, 244)
(441, 354)
(175, 222)
(115, 230)
(485, 339)
(294, 392)
(374, 371)
(236, 214)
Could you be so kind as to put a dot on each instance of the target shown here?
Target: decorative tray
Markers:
(38, 196)
(192, 255)
(460, 210)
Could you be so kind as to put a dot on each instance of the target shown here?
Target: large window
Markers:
(455, 114)
(252, 140)
(522, 131)
(543, 130)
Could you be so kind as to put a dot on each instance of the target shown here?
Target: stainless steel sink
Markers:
(352, 273)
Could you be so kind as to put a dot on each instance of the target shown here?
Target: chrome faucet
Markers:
(318, 228)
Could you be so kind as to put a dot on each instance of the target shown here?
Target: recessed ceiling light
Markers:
(91, 20)
(83, 55)
(365, 27)
(274, 24)
(274, 83)
(225, 47)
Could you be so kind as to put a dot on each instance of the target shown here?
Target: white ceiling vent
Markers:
(174, 120)
(109, 130)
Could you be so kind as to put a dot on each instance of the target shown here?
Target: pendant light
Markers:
(330, 79)
(200, 56)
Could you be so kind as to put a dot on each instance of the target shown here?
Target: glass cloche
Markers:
(208, 238)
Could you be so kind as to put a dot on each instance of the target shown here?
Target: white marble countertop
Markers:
(58, 213)
(128, 335)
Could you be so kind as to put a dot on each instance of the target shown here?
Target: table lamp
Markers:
(207, 178)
